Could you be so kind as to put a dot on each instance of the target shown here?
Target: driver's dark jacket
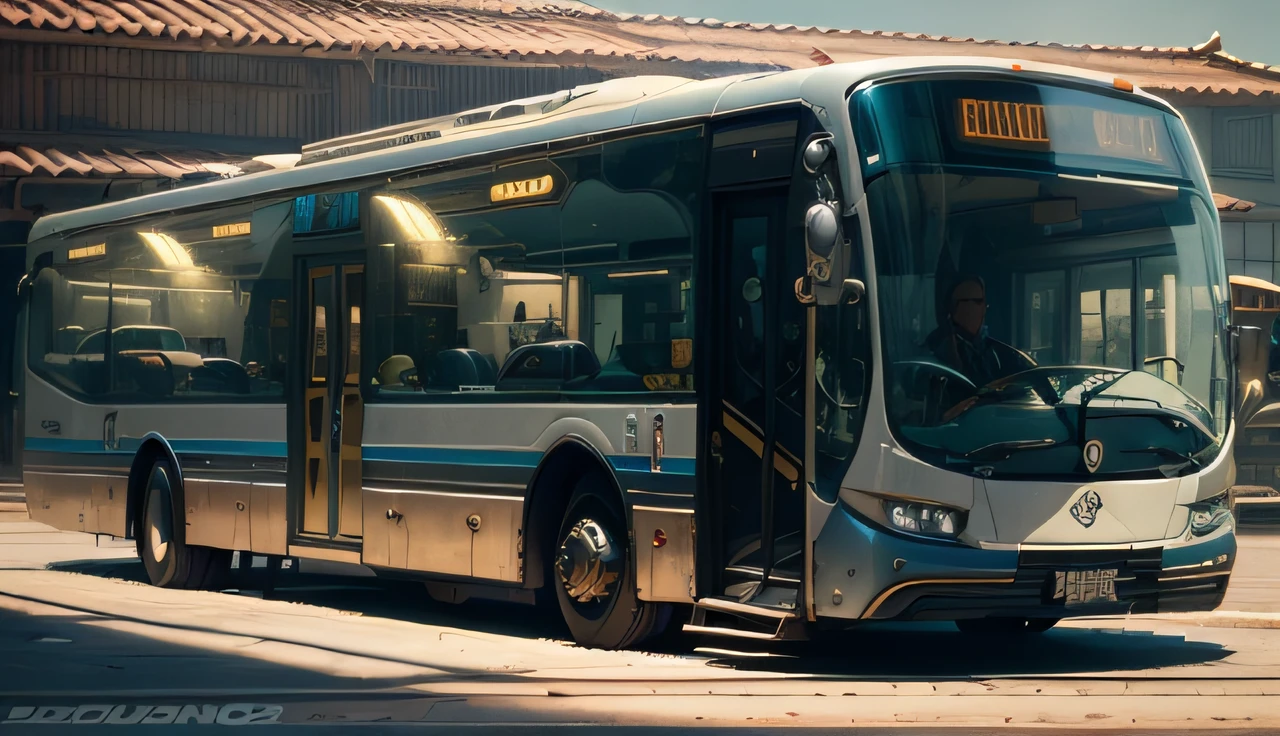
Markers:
(981, 359)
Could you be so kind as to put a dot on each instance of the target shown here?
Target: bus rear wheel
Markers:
(169, 561)
(591, 571)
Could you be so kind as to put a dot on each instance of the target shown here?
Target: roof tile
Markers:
(63, 161)
(567, 27)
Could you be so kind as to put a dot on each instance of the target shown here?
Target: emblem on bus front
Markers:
(1092, 455)
(1086, 508)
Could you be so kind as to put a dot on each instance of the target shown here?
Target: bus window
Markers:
(467, 272)
(629, 228)
(1106, 324)
(169, 308)
(572, 273)
(1044, 297)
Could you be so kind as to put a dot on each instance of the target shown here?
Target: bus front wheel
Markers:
(169, 561)
(591, 571)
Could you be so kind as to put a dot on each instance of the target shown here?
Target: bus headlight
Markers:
(924, 518)
(1210, 514)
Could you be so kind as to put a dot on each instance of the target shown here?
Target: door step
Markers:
(727, 617)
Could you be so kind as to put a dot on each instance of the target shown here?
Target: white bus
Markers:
(914, 339)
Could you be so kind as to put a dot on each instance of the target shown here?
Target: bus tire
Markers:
(591, 571)
(169, 561)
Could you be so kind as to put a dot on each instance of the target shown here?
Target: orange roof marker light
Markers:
(1017, 67)
(1122, 85)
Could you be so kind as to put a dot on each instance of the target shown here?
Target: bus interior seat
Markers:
(220, 375)
(452, 369)
(627, 366)
(148, 372)
(546, 366)
(396, 371)
(67, 339)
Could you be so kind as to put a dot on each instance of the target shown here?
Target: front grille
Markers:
(1132, 560)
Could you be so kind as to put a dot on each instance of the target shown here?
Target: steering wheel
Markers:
(935, 399)
(937, 367)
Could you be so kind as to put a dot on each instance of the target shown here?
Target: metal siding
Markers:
(78, 89)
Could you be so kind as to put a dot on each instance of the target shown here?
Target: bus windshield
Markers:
(1049, 279)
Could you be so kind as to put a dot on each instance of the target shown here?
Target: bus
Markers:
(916, 339)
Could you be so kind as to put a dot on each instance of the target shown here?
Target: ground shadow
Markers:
(878, 651)
(938, 651)
(369, 596)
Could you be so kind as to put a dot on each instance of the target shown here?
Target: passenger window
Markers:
(315, 214)
(467, 272)
(185, 307)
(566, 274)
(630, 232)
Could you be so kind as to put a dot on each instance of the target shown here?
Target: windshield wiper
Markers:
(1168, 411)
(1184, 461)
(1002, 450)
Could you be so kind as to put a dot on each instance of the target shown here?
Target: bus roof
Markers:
(611, 105)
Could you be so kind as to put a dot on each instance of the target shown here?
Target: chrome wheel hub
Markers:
(156, 531)
(589, 562)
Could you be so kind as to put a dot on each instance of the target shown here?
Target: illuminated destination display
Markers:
(1003, 121)
(87, 251)
(520, 189)
(228, 231)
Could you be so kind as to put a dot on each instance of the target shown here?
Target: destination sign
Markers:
(232, 230)
(524, 189)
(1003, 121)
(87, 251)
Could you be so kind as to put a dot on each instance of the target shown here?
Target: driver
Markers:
(962, 342)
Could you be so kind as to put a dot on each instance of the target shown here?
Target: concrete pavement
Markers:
(373, 652)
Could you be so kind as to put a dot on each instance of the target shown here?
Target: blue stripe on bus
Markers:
(254, 448)
(453, 456)
(641, 464)
(436, 455)
(56, 444)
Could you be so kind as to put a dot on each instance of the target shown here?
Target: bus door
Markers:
(755, 423)
(331, 403)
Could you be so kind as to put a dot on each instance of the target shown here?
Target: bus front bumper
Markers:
(865, 572)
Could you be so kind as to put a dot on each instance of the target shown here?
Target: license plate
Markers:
(1078, 587)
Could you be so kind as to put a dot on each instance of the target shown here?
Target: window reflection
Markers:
(571, 273)
(185, 306)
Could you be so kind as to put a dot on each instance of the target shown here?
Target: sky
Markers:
(1250, 28)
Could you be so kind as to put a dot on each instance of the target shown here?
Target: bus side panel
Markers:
(445, 484)
(231, 456)
(72, 481)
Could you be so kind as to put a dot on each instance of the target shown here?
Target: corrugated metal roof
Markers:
(119, 162)
(580, 33)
